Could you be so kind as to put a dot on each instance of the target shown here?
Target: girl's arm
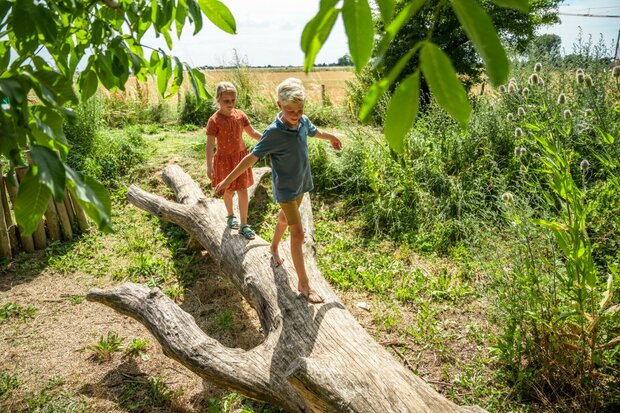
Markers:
(252, 133)
(245, 163)
(210, 146)
(333, 140)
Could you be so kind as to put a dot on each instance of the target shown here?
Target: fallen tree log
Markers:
(313, 358)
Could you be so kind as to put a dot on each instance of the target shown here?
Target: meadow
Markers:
(486, 259)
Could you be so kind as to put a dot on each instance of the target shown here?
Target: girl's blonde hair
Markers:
(291, 90)
(224, 87)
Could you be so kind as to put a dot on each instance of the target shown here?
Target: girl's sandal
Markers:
(247, 232)
(232, 222)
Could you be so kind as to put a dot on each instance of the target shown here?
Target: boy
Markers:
(286, 141)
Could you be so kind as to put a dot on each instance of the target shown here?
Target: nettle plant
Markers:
(561, 334)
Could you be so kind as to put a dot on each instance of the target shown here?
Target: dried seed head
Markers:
(525, 92)
(502, 89)
(615, 72)
(508, 198)
(533, 79)
(538, 67)
(567, 114)
(588, 81)
(518, 132)
(510, 117)
(512, 87)
(584, 165)
(521, 111)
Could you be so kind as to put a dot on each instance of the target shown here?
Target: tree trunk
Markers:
(313, 357)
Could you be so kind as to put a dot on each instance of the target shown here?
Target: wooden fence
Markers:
(60, 222)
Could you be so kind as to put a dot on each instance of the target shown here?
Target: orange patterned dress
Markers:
(230, 148)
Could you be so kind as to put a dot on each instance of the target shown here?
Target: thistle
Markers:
(589, 112)
(520, 151)
(502, 89)
(538, 67)
(510, 116)
(585, 165)
(567, 114)
(580, 76)
(512, 87)
(615, 72)
(521, 111)
(533, 79)
(507, 197)
(518, 132)
(588, 81)
(525, 92)
(561, 99)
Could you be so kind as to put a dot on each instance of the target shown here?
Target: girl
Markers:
(227, 125)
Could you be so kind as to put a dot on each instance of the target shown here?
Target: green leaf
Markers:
(402, 111)
(219, 15)
(386, 7)
(88, 83)
(480, 30)
(164, 72)
(92, 197)
(50, 170)
(31, 202)
(359, 27)
(521, 5)
(195, 14)
(46, 126)
(446, 87)
(316, 32)
(394, 27)
(179, 17)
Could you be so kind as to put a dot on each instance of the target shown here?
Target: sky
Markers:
(568, 30)
(269, 33)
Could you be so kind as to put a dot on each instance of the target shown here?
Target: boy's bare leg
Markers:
(297, 240)
(242, 198)
(228, 201)
(278, 233)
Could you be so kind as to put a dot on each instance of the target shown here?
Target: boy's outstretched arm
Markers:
(245, 163)
(333, 140)
(252, 133)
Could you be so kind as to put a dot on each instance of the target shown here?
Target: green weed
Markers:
(104, 349)
(11, 310)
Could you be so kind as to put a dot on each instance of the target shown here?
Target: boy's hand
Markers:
(221, 187)
(336, 144)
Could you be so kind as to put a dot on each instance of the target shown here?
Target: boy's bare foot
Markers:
(311, 295)
(275, 258)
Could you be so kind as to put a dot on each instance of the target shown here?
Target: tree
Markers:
(314, 358)
(44, 42)
(344, 61)
(546, 45)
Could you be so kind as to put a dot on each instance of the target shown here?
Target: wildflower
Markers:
(561, 99)
(537, 67)
(508, 198)
(567, 114)
(518, 132)
(615, 72)
(525, 92)
(585, 165)
(510, 117)
(588, 80)
(521, 111)
(502, 89)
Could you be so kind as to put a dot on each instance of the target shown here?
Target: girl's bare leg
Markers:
(228, 201)
(278, 233)
(242, 198)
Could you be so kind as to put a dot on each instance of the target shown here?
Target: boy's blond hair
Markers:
(291, 90)
(224, 87)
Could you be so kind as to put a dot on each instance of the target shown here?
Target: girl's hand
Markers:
(210, 172)
(221, 187)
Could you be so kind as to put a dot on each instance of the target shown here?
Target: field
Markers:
(331, 79)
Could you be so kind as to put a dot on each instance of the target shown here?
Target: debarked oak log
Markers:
(314, 358)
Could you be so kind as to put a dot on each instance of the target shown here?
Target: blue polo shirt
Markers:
(288, 149)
